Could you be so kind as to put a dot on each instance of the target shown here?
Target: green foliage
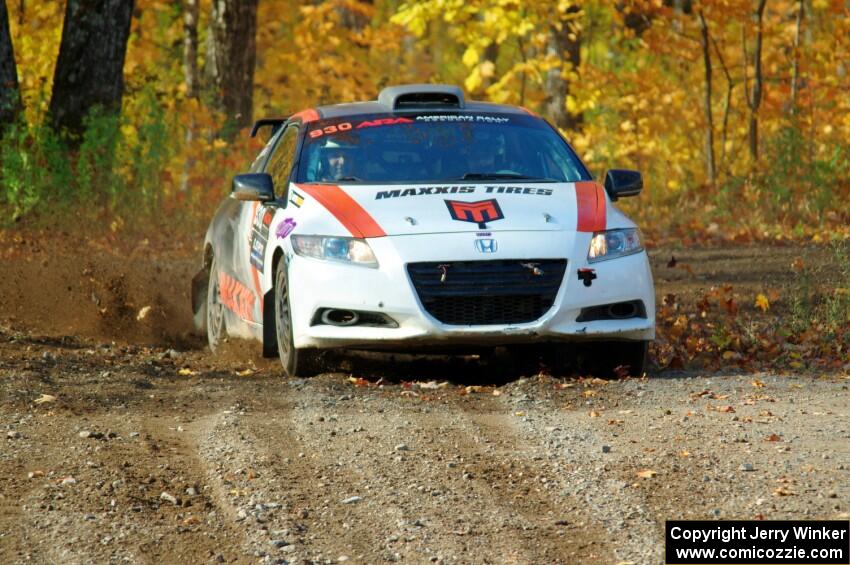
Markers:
(115, 172)
(836, 306)
(797, 176)
(36, 170)
(824, 306)
(98, 183)
(803, 302)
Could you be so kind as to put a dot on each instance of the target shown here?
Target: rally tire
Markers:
(296, 362)
(215, 318)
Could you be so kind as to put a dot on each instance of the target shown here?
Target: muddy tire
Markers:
(216, 329)
(296, 362)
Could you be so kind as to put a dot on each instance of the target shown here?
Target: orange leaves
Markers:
(360, 382)
(718, 330)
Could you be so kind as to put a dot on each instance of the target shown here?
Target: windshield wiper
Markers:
(503, 176)
(348, 179)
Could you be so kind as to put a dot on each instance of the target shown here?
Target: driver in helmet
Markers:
(336, 162)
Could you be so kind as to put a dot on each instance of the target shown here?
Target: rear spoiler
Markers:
(275, 124)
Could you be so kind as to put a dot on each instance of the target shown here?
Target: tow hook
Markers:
(586, 276)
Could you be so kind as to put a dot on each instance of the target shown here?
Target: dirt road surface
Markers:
(123, 440)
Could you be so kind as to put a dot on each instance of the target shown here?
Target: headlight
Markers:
(343, 249)
(614, 243)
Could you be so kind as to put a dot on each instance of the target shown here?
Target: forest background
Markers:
(130, 117)
(736, 111)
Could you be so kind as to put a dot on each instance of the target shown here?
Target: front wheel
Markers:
(296, 362)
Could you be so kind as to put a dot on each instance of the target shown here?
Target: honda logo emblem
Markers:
(486, 245)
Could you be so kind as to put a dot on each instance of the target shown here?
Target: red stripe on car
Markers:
(590, 199)
(345, 209)
(306, 116)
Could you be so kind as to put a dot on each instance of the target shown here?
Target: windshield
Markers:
(422, 148)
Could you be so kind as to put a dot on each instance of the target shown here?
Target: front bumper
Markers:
(388, 290)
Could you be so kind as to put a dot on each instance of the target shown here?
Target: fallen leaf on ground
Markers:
(646, 474)
(45, 398)
(187, 372)
(143, 313)
(762, 303)
(773, 437)
(757, 383)
(432, 384)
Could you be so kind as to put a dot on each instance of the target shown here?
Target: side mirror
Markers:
(253, 187)
(622, 182)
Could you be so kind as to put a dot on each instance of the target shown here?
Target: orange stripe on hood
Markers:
(345, 209)
(590, 198)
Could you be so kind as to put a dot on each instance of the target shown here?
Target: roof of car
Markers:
(398, 99)
(373, 107)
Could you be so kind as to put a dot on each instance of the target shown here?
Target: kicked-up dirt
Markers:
(123, 439)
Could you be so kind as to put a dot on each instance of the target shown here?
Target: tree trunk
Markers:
(709, 118)
(10, 94)
(190, 73)
(754, 100)
(727, 106)
(564, 43)
(233, 26)
(90, 68)
(190, 48)
(795, 72)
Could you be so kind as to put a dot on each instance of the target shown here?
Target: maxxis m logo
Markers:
(479, 212)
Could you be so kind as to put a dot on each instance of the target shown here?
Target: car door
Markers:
(257, 218)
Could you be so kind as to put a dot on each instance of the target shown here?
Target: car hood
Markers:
(378, 210)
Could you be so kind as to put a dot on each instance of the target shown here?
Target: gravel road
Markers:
(150, 455)
(115, 451)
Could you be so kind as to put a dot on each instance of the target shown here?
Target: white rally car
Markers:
(420, 220)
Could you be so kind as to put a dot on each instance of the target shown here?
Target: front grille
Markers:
(474, 293)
